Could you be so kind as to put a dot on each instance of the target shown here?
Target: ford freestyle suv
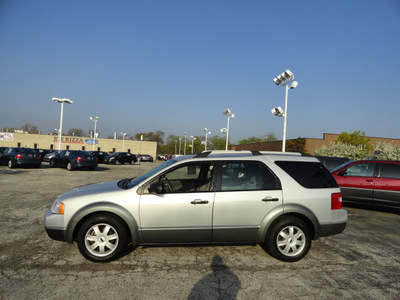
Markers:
(281, 201)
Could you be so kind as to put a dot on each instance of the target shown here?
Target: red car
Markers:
(371, 182)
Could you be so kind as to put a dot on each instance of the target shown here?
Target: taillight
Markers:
(79, 159)
(40, 157)
(18, 156)
(97, 159)
(336, 201)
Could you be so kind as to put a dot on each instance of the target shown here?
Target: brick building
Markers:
(311, 144)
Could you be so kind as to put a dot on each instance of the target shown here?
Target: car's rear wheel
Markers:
(117, 162)
(289, 239)
(102, 238)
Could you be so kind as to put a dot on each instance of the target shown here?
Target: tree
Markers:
(339, 149)
(356, 138)
(157, 136)
(217, 143)
(387, 151)
(297, 145)
(29, 128)
(76, 132)
(269, 137)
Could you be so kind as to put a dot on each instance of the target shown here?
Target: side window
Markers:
(388, 170)
(247, 175)
(186, 179)
(361, 170)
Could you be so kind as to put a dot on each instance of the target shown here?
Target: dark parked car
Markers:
(331, 162)
(145, 157)
(43, 152)
(100, 155)
(17, 156)
(371, 182)
(120, 158)
(50, 155)
(74, 159)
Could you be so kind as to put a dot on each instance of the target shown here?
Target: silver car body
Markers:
(213, 216)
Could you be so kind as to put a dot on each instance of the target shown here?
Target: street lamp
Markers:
(123, 140)
(62, 101)
(95, 119)
(184, 149)
(230, 115)
(180, 144)
(193, 138)
(283, 80)
(207, 133)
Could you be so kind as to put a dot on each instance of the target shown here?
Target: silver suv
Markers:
(281, 201)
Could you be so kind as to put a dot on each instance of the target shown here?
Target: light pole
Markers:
(283, 80)
(207, 133)
(180, 144)
(230, 115)
(123, 140)
(193, 138)
(95, 119)
(184, 149)
(62, 101)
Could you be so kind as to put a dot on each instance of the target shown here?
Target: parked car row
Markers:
(70, 159)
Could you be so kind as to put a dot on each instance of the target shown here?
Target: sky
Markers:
(176, 65)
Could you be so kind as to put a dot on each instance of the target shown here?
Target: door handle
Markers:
(270, 199)
(199, 201)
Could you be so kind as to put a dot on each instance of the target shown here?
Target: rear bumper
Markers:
(332, 229)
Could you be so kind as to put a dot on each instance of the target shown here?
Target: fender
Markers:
(287, 209)
(118, 210)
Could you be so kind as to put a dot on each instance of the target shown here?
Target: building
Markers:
(310, 144)
(40, 141)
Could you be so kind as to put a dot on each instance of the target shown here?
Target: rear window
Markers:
(389, 170)
(312, 175)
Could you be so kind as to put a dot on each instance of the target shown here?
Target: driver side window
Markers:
(187, 179)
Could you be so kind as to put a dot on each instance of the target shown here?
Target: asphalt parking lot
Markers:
(361, 263)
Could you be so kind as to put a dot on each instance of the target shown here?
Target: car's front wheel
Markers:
(69, 166)
(102, 238)
(289, 239)
(11, 164)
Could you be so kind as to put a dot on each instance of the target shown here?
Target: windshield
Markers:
(150, 173)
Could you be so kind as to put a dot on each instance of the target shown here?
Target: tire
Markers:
(132, 162)
(11, 164)
(289, 239)
(102, 238)
(117, 162)
(52, 164)
(69, 166)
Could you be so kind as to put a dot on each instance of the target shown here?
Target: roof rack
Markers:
(253, 152)
(207, 153)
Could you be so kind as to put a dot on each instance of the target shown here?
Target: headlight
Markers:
(57, 207)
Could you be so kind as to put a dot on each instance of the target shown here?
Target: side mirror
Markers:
(343, 173)
(156, 188)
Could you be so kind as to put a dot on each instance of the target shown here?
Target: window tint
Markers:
(389, 170)
(312, 175)
(248, 175)
(360, 170)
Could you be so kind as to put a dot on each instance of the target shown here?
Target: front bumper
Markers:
(53, 224)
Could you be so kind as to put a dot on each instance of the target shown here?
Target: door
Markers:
(182, 212)
(357, 182)
(247, 192)
(387, 185)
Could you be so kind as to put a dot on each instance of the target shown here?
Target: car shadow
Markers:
(222, 283)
